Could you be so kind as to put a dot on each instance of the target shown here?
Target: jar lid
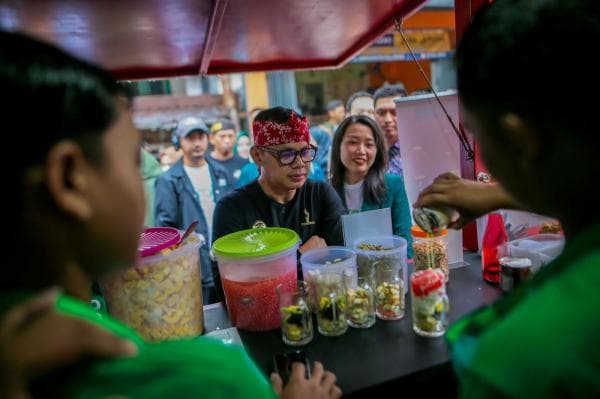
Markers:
(255, 242)
(426, 281)
(416, 231)
(155, 239)
(516, 263)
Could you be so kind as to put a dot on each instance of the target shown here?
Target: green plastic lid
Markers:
(255, 242)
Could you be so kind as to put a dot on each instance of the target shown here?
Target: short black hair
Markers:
(51, 97)
(334, 104)
(276, 114)
(54, 96)
(513, 52)
(354, 96)
(396, 90)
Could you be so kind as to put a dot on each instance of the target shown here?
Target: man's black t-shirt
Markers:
(316, 209)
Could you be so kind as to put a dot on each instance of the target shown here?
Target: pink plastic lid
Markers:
(155, 239)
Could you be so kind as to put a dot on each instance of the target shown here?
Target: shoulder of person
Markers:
(393, 181)
(237, 160)
(216, 166)
(321, 188)
(239, 197)
(172, 173)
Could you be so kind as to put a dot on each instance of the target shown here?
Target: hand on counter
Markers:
(321, 384)
(313, 242)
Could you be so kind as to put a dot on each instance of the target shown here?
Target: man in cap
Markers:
(282, 196)
(188, 191)
(223, 138)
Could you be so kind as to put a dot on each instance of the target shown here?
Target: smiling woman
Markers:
(358, 162)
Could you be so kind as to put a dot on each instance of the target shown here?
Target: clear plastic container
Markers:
(252, 263)
(429, 303)
(541, 249)
(360, 299)
(389, 292)
(334, 259)
(430, 251)
(296, 317)
(161, 297)
(387, 251)
(331, 296)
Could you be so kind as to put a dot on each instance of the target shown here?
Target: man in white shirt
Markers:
(188, 191)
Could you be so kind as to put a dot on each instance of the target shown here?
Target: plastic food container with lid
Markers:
(383, 251)
(430, 250)
(429, 302)
(320, 260)
(161, 296)
(252, 263)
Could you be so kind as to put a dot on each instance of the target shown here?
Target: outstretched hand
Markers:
(470, 199)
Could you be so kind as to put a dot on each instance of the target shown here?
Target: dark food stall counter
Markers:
(388, 355)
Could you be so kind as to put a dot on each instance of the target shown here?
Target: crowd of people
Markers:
(77, 209)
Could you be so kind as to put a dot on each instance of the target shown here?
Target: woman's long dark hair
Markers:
(374, 188)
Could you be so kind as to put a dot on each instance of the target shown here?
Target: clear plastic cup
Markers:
(389, 291)
(331, 296)
(296, 317)
(430, 304)
(360, 299)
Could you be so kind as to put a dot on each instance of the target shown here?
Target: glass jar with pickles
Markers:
(331, 301)
(389, 291)
(360, 299)
(296, 317)
(430, 304)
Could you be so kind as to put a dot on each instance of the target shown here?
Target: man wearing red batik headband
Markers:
(282, 196)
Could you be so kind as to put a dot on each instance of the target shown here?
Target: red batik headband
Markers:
(268, 133)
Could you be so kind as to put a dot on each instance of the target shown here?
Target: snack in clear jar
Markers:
(429, 303)
(296, 324)
(366, 263)
(389, 300)
(331, 317)
(550, 228)
(162, 297)
(331, 300)
(361, 307)
(431, 253)
(372, 247)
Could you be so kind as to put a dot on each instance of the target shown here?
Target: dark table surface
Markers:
(385, 356)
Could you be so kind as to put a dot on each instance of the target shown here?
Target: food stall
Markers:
(157, 39)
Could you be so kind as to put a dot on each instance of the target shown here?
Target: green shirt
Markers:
(195, 368)
(542, 340)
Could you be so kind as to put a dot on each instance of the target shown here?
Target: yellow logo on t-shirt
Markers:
(307, 221)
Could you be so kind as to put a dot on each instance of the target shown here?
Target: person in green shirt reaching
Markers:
(541, 340)
(75, 210)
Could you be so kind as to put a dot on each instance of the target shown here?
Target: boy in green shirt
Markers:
(75, 212)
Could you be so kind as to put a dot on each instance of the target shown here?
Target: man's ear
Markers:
(524, 137)
(67, 179)
(256, 156)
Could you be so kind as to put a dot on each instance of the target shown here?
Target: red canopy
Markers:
(139, 39)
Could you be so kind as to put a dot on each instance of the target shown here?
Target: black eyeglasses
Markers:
(287, 157)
